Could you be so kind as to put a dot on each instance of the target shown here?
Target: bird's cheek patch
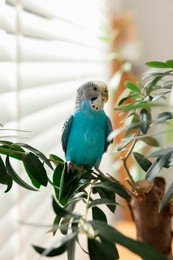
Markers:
(93, 106)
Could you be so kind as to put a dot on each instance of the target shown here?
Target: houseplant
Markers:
(149, 206)
(88, 187)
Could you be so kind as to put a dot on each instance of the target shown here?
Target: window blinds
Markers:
(48, 49)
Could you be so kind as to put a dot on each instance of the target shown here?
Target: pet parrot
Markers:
(85, 132)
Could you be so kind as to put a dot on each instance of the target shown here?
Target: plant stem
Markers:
(125, 158)
(11, 151)
(88, 198)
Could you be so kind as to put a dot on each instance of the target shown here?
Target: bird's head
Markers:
(95, 92)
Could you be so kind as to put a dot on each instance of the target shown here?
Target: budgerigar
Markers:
(85, 132)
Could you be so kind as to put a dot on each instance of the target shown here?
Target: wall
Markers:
(154, 22)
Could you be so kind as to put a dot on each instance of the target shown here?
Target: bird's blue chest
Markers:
(87, 138)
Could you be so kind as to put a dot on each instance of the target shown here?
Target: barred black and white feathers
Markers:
(92, 90)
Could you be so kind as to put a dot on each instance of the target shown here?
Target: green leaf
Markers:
(63, 245)
(95, 249)
(35, 168)
(50, 252)
(17, 147)
(57, 178)
(167, 84)
(160, 95)
(123, 100)
(101, 251)
(125, 141)
(161, 152)
(74, 224)
(56, 160)
(106, 194)
(114, 187)
(138, 105)
(157, 64)
(9, 185)
(166, 197)
(98, 214)
(157, 166)
(3, 173)
(56, 224)
(62, 181)
(4, 142)
(37, 152)
(151, 85)
(71, 249)
(157, 75)
(169, 63)
(82, 184)
(65, 182)
(15, 177)
(77, 197)
(69, 184)
(60, 211)
(145, 119)
(104, 201)
(131, 86)
(4, 177)
(64, 225)
(108, 233)
(121, 129)
(162, 117)
(135, 118)
(12, 151)
(33, 180)
(150, 141)
(143, 162)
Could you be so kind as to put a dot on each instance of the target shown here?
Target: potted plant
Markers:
(94, 190)
(148, 115)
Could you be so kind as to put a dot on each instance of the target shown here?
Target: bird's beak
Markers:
(105, 97)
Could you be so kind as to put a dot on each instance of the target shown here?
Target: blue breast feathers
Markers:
(87, 137)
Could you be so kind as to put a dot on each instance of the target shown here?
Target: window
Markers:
(48, 49)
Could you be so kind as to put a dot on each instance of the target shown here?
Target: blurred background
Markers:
(48, 48)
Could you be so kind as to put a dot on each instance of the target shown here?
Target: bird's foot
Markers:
(72, 167)
(100, 172)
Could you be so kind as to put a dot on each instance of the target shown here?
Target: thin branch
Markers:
(11, 151)
(88, 199)
(125, 158)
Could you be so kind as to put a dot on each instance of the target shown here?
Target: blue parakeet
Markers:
(84, 137)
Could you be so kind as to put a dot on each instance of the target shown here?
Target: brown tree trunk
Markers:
(152, 227)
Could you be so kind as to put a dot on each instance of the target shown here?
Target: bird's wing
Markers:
(66, 132)
(109, 129)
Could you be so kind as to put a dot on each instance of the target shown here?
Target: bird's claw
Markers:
(69, 166)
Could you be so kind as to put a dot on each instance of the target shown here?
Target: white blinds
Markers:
(48, 48)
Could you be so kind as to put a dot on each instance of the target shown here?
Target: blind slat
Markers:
(8, 76)
(39, 27)
(42, 50)
(40, 74)
(37, 74)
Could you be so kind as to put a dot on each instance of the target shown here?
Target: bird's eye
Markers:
(95, 88)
